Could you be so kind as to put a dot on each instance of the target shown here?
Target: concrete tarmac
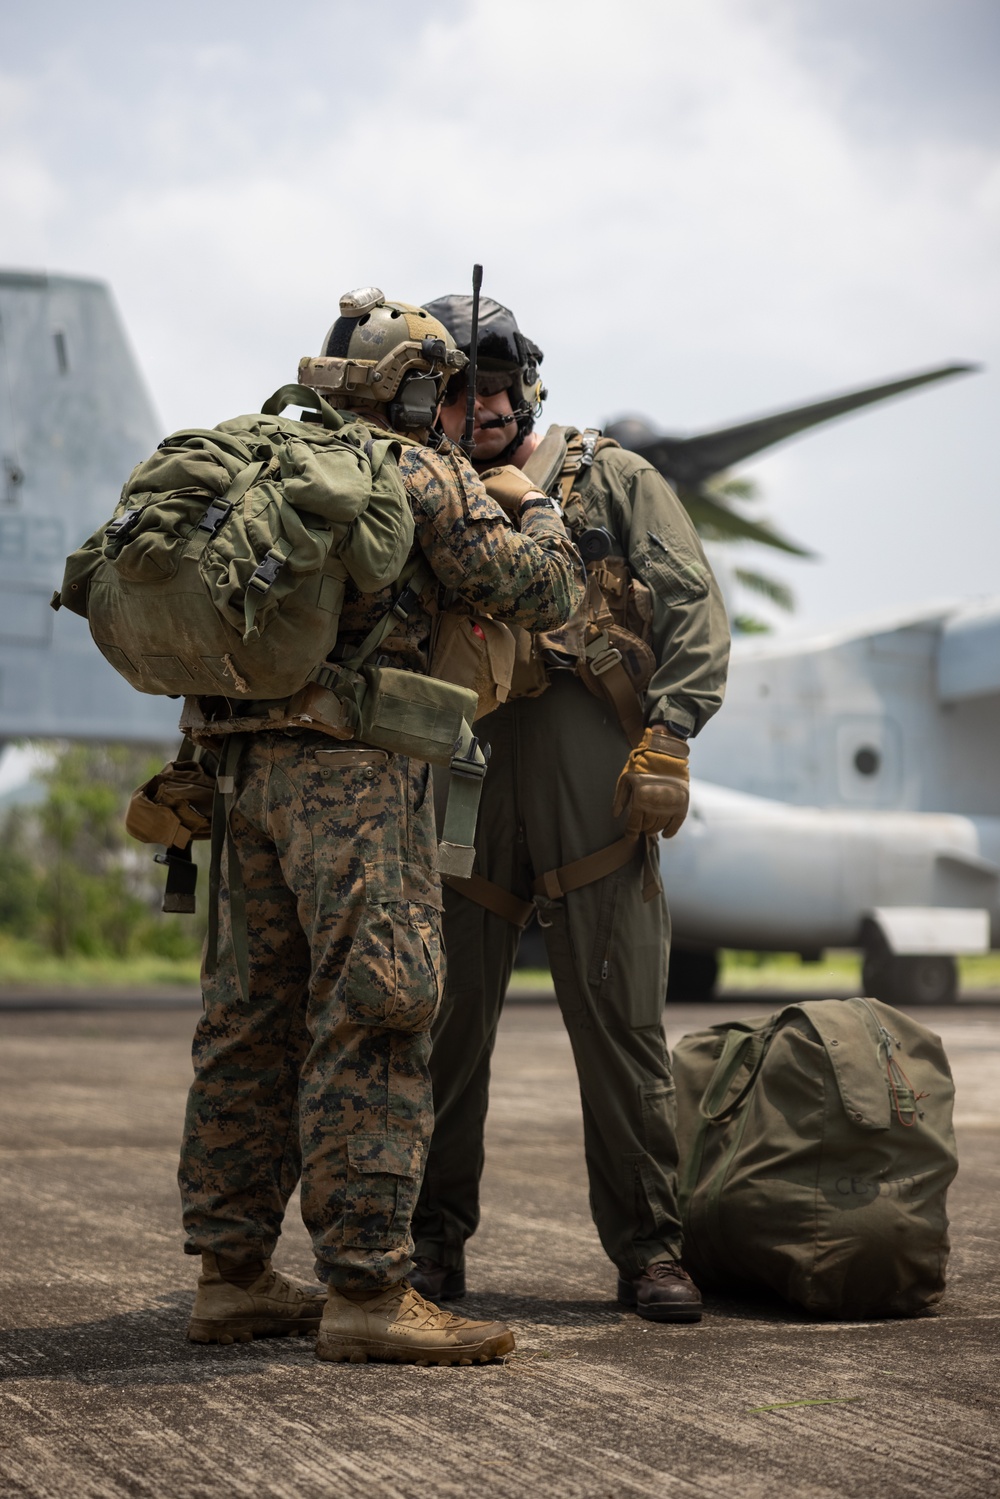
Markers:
(100, 1395)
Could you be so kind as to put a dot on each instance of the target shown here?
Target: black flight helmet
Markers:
(506, 360)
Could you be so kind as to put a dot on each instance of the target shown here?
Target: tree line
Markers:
(72, 880)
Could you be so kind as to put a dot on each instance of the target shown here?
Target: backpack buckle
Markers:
(119, 531)
(217, 512)
(265, 573)
(405, 604)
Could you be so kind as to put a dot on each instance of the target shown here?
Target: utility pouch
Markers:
(529, 677)
(174, 807)
(474, 651)
(413, 715)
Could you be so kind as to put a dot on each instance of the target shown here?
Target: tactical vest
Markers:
(606, 644)
(606, 641)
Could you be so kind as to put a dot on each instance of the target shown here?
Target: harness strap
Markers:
(558, 882)
(605, 662)
(580, 872)
(493, 897)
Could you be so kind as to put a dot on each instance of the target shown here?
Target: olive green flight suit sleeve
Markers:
(532, 577)
(690, 629)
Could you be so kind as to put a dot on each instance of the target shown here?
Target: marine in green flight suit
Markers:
(562, 787)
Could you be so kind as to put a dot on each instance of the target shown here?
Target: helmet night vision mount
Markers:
(386, 352)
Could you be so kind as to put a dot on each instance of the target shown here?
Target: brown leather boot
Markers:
(233, 1304)
(436, 1281)
(398, 1326)
(664, 1292)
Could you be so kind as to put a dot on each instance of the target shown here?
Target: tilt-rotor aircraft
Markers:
(850, 784)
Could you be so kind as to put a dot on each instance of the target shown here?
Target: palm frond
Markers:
(734, 489)
(749, 624)
(716, 521)
(772, 589)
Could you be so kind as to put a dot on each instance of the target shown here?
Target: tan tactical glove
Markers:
(509, 487)
(653, 787)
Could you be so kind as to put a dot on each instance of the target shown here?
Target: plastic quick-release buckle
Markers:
(406, 603)
(217, 512)
(474, 762)
(121, 529)
(266, 572)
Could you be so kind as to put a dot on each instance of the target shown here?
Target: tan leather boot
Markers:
(271, 1305)
(398, 1326)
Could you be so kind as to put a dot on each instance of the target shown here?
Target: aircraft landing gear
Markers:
(906, 979)
(692, 976)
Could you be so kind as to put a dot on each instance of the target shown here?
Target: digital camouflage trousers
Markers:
(322, 1069)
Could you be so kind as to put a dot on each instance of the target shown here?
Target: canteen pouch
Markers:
(408, 714)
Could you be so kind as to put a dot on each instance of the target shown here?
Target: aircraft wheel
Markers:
(692, 976)
(929, 979)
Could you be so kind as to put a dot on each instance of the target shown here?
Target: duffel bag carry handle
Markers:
(302, 395)
(742, 1048)
(715, 1107)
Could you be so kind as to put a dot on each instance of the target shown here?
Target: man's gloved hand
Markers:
(653, 787)
(509, 487)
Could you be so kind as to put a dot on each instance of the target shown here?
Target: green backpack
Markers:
(816, 1150)
(224, 566)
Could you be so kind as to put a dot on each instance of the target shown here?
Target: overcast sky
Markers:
(701, 209)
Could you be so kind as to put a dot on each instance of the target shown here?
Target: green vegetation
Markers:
(79, 898)
(837, 972)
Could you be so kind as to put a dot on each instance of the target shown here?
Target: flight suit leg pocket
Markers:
(659, 1122)
(384, 1174)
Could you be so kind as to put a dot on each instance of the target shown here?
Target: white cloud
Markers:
(674, 198)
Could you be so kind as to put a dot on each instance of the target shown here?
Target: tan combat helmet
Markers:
(390, 353)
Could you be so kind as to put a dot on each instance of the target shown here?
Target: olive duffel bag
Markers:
(816, 1150)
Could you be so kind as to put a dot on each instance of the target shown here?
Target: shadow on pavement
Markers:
(145, 1347)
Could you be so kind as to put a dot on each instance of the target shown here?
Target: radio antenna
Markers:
(470, 371)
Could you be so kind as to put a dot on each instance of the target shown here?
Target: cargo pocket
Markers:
(670, 568)
(384, 1173)
(392, 977)
(659, 1122)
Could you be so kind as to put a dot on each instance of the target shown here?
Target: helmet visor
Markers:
(488, 383)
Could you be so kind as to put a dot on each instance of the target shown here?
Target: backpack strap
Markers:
(225, 795)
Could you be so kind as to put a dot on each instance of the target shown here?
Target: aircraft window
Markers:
(867, 760)
(62, 358)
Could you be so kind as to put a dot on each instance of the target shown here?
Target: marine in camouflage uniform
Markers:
(549, 799)
(322, 1069)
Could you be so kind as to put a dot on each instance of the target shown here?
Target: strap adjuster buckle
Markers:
(605, 661)
(266, 572)
(217, 512)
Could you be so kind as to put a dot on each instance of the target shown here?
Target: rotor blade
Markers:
(692, 460)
